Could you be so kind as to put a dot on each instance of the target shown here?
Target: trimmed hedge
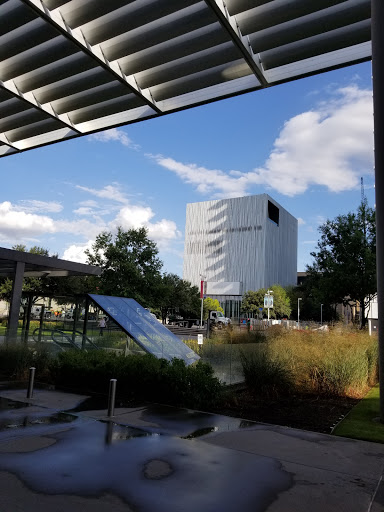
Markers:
(16, 359)
(139, 377)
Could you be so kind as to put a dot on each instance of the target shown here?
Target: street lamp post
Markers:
(202, 278)
(298, 312)
(321, 314)
(269, 293)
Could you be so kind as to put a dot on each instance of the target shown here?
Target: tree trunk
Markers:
(362, 314)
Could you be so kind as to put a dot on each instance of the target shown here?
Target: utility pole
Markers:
(298, 312)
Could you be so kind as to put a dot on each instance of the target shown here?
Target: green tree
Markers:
(129, 263)
(254, 300)
(175, 293)
(344, 268)
(210, 304)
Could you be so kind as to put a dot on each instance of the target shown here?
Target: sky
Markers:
(306, 143)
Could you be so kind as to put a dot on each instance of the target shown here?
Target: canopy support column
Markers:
(378, 108)
(14, 307)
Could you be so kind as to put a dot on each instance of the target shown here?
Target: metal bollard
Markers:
(111, 397)
(31, 381)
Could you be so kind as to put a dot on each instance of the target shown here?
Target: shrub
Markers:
(243, 336)
(339, 362)
(340, 374)
(372, 353)
(276, 332)
(140, 377)
(265, 375)
(17, 358)
(111, 340)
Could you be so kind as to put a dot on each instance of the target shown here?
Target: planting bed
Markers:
(307, 412)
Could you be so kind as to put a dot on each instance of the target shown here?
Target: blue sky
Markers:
(305, 143)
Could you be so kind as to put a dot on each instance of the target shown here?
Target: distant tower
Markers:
(239, 244)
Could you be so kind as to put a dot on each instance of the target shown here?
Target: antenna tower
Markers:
(362, 190)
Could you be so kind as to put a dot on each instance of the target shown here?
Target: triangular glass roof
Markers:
(149, 333)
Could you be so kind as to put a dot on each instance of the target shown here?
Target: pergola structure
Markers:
(74, 67)
(16, 265)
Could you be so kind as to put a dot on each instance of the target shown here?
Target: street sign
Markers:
(268, 301)
(200, 338)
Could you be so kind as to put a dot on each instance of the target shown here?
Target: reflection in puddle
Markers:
(6, 404)
(247, 423)
(151, 472)
(100, 402)
(36, 419)
(208, 430)
(201, 432)
(115, 432)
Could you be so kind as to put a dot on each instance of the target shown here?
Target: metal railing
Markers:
(62, 339)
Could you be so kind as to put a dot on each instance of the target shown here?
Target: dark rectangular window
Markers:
(273, 213)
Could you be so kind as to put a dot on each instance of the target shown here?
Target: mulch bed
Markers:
(307, 412)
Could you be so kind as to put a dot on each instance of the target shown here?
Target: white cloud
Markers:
(163, 232)
(300, 221)
(133, 217)
(111, 192)
(84, 210)
(136, 216)
(76, 252)
(81, 227)
(207, 181)
(16, 224)
(32, 205)
(320, 219)
(128, 216)
(331, 146)
(114, 135)
(89, 203)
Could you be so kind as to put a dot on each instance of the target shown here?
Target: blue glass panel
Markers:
(151, 335)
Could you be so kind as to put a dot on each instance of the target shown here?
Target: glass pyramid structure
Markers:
(148, 333)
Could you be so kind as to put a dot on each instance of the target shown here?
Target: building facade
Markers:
(239, 244)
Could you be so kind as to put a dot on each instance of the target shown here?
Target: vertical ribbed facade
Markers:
(252, 240)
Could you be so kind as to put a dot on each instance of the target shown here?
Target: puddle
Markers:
(6, 404)
(186, 423)
(208, 430)
(31, 420)
(98, 403)
(247, 423)
(152, 471)
(201, 432)
(115, 432)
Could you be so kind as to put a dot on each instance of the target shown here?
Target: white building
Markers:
(239, 244)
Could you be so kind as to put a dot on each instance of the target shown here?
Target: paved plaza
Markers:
(165, 459)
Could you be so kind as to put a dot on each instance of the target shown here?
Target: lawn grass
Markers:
(362, 422)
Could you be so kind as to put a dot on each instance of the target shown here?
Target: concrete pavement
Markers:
(159, 458)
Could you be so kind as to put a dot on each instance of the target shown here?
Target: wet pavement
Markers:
(162, 459)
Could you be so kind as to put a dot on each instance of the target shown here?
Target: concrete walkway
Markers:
(163, 459)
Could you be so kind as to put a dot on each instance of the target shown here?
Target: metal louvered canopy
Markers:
(73, 67)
